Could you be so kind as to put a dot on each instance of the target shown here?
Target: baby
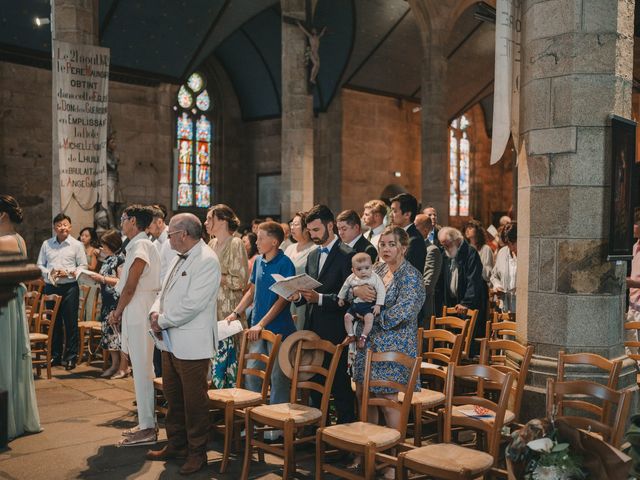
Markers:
(362, 275)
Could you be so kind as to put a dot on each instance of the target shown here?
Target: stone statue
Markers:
(113, 197)
(313, 39)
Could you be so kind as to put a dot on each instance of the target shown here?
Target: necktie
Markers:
(183, 256)
(370, 234)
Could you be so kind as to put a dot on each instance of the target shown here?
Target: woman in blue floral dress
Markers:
(111, 243)
(395, 329)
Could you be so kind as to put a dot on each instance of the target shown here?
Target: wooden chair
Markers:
(633, 344)
(232, 402)
(293, 417)
(437, 349)
(451, 461)
(87, 326)
(41, 339)
(503, 355)
(448, 321)
(369, 439)
(35, 286)
(611, 367)
(501, 324)
(32, 308)
(611, 431)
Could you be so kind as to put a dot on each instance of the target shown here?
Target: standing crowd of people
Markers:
(394, 267)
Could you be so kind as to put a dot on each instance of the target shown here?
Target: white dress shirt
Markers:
(354, 241)
(323, 258)
(66, 255)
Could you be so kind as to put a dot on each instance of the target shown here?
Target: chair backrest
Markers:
(322, 380)
(633, 343)
(501, 354)
(612, 431)
(32, 308)
(47, 316)
(481, 374)
(450, 321)
(267, 360)
(35, 285)
(85, 292)
(501, 324)
(410, 363)
(611, 367)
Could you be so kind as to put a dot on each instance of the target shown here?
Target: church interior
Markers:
(272, 107)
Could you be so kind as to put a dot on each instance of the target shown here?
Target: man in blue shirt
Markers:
(270, 311)
(59, 258)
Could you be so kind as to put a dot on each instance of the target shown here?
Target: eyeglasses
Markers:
(123, 218)
(292, 224)
(169, 234)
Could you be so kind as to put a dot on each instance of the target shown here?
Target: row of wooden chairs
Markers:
(42, 312)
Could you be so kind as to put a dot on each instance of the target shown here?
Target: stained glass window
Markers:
(459, 165)
(193, 145)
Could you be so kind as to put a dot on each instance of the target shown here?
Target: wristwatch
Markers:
(236, 314)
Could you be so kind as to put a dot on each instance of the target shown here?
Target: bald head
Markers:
(424, 224)
(189, 223)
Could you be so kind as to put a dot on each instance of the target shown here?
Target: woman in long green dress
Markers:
(16, 372)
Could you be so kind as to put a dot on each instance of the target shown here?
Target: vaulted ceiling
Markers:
(370, 45)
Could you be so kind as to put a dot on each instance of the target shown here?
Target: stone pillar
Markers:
(577, 70)
(297, 115)
(435, 127)
(73, 21)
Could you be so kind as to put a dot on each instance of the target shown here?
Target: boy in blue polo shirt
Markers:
(270, 311)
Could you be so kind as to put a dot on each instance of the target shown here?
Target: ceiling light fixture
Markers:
(397, 174)
(40, 21)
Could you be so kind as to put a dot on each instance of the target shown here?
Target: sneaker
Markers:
(148, 436)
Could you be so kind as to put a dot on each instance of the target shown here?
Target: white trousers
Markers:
(137, 343)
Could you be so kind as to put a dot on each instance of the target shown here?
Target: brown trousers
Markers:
(185, 388)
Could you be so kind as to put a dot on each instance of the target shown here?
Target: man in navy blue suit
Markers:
(330, 264)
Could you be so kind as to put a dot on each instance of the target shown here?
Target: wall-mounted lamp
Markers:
(40, 21)
(397, 174)
(416, 109)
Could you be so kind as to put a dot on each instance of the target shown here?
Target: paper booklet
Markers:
(226, 330)
(163, 344)
(287, 286)
(86, 273)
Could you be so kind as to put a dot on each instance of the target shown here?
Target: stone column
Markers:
(73, 21)
(435, 127)
(577, 70)
(297, 116)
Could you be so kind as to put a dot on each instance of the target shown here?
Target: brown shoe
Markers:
(166, 453)
(193, 464)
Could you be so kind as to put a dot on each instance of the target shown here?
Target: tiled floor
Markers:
(82, 416)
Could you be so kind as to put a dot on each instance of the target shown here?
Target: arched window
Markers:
(459, 148)
(194, 134)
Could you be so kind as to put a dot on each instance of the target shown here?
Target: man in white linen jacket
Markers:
(186, 310)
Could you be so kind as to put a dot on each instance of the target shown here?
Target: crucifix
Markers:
(312, 55)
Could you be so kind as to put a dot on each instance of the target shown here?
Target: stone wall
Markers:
(142, 117)
(380, 136)
(328, 156)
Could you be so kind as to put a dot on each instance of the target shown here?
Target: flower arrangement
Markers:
(535, 453)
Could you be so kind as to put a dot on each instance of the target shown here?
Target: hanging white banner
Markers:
(506, 89)
(80, 89)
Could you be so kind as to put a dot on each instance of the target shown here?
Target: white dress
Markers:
(136, 340)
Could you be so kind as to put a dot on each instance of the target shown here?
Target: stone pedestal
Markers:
(577, 71)
(73, 21)
(297, 116)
